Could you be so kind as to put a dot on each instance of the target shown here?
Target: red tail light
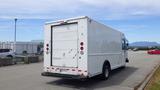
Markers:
(47, 45)
(47, 48)
(81, 43)
(82, 48)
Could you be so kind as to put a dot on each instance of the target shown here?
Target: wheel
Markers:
(106, 72)
(10, 56)
(127, 60)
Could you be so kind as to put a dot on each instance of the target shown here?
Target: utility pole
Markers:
(15, 34)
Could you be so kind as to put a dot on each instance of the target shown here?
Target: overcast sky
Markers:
(138, 19)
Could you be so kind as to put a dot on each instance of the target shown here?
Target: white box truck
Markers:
(82, 48)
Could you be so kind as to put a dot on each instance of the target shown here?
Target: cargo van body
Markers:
(81, 48)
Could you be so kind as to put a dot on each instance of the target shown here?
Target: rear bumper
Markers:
(49, 74)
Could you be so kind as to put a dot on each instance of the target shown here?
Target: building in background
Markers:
(23, 47)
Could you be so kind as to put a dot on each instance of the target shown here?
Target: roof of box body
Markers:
(75, 18)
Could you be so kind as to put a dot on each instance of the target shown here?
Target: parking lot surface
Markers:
(28, 77)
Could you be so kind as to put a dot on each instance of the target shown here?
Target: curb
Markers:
(143, 84)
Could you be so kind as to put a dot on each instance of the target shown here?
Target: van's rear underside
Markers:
(49, 74)
(64, 72)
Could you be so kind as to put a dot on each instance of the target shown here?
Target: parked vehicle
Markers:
(154, 52)
(82, 48)
(6, 53)
(22, 47)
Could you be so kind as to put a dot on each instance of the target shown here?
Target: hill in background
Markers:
(144, 44)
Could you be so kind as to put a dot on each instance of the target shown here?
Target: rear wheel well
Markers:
(106, 63)
(9, 56)
(127, 60)
(106, 70)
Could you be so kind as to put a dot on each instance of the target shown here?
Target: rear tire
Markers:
(106, 72)
(9, 56)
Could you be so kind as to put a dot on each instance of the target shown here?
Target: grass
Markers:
(154, 83)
